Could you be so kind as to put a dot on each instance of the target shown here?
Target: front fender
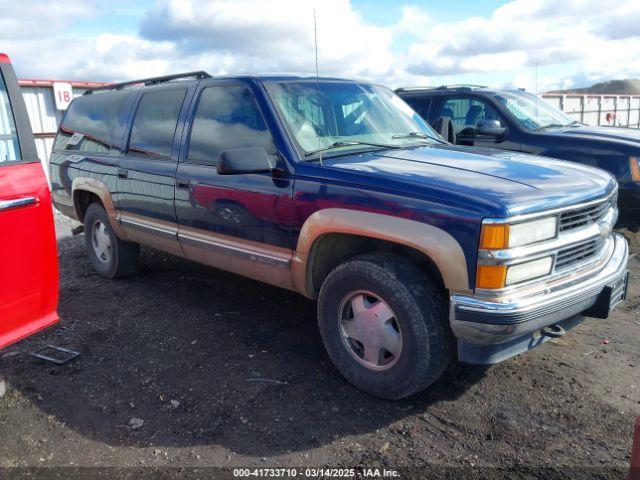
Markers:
(439, 246)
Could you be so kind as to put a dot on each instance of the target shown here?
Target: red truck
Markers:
(28, 250)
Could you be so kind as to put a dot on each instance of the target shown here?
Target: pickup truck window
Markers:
(9, 146)
(467, 112)
(227, 117)
(155, 122)
(324, 113)
(89, 122)
(533, 112)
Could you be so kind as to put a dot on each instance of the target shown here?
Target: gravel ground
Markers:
(187, 366)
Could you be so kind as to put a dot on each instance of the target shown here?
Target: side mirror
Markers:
(491, 128)
(239, 161)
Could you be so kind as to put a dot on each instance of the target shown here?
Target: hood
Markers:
(495, 182)
(619, 134)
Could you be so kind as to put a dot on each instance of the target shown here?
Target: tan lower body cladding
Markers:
(266, 263)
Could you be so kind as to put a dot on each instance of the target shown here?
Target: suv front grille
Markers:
(583, 216)
(578, 254)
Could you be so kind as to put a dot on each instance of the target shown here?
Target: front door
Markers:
(466, 113)
(241, 223)
(147, 169)
(28, 251)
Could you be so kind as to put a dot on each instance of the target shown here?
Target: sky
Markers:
(537, 45)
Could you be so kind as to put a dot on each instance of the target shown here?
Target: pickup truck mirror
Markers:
(238, 161)
(491, 128)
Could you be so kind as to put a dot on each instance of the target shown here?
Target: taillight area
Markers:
(4, 58)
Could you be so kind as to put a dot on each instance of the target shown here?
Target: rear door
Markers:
(147, 170)
(28, 253)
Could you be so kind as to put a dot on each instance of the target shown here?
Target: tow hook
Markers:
(77, 230)
(553, 331)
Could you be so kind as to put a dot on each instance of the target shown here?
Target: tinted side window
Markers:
(89, 122)
(420, 105)
(9, 146)
(155, 122)
(468, 112)
(227, 117)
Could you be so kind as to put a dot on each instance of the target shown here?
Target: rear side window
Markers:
(227, 117)
(9, 146)
(155, 122)
(89, 123)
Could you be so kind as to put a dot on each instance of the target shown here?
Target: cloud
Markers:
(523, 34)
(276, 35)
(571, 42)
(40, 17)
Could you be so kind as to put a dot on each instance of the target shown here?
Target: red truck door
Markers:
(28, 252)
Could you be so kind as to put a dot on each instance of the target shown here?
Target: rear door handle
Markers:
(182, 183)
(17, 202)
(123, 173)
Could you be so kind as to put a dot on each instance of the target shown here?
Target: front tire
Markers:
(384, 324)
(110, 256)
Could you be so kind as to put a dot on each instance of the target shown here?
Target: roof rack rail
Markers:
(407, 89)
(150, 81)
(460, 85)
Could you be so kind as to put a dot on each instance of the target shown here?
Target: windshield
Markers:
(533, 112)
(332, 118)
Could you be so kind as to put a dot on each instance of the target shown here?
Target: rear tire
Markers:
(399, 341)
(110, 256)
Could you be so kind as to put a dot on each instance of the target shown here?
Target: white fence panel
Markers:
(606, 110)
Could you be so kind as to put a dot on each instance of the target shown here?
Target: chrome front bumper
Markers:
(490, 330)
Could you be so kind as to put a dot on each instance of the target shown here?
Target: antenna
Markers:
(315, 41)
(536, 82)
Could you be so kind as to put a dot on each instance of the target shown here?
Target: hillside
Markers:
(615, 87)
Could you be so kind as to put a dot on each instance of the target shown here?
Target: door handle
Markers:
(18, 202)
(123, 173)
(182, 183)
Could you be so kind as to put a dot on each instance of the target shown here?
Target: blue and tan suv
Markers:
(417, 251)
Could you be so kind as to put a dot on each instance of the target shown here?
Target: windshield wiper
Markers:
(413, 135)
(344, 143)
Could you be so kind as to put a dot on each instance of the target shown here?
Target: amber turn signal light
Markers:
(635, 168)
(491, 276)
(494, 236)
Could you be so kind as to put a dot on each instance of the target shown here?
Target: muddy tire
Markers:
(384, 324)
(110, 256)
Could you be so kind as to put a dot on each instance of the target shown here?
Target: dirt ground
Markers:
(186, 366)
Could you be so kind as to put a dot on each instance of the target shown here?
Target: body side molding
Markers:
(435, 243)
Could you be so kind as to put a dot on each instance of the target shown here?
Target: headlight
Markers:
(500, 276)
(499, 236)
(634, 162)
(529, 270)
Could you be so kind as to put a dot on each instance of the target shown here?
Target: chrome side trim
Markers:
(234, 251)
(156, 229)
(555, 211)
(18, 202)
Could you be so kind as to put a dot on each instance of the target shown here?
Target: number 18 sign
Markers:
(63, 93)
